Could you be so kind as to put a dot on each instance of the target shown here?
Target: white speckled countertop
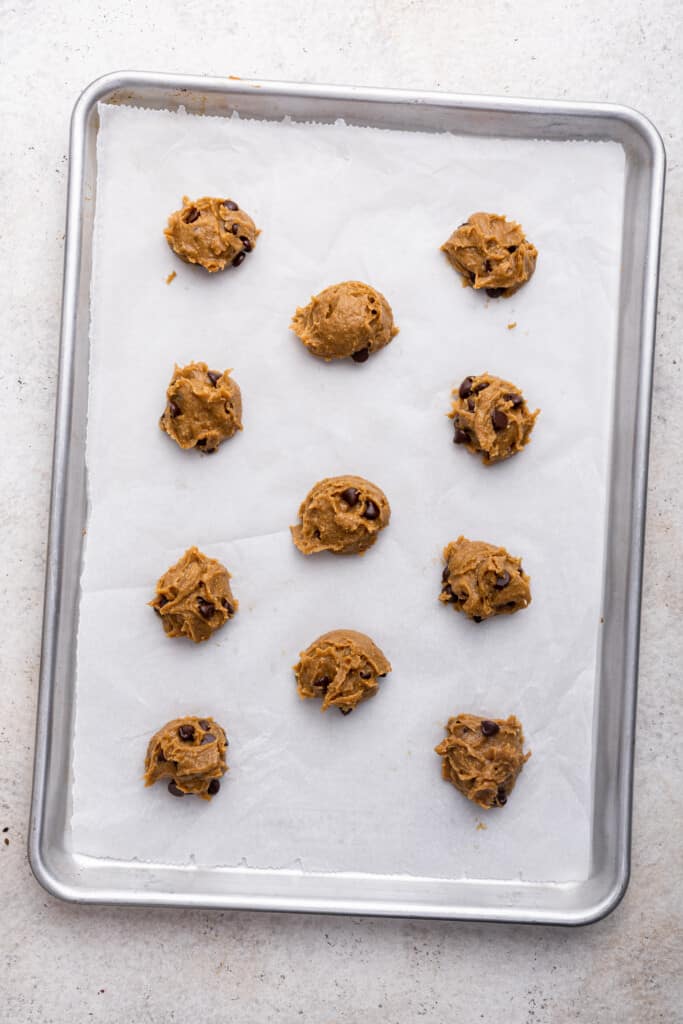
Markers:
(62, 963)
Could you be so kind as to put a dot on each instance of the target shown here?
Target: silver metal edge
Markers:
(98, 90)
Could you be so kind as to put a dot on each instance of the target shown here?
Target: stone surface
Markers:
(65, 963)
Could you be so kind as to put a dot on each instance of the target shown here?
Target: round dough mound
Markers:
(482, 580)
(190, 752)
(482, 757)
(342, 514)
(212, 232)
(343, 667)
(491, 252)
(347, 319)
(194, 598)
(491, 418)
(204, 407)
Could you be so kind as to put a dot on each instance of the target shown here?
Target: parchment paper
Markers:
(306, 790)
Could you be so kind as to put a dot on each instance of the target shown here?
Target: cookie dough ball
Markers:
(347, 319)
(190, 752)
(482, 757)
(482, 580)
(194, 598)
(342, 514)
(491, 418)
(203, 407)
(491, 252)
(212, 232)
(343, 667)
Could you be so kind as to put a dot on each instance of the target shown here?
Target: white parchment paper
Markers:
(306, 790)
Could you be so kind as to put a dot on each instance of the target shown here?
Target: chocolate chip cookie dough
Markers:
(190, 752)
(343, 667)
(482, 580)
(491, 418)
(211, 232)
(194, 598)
(342, 514)
(491, 252)
(347, 319)
(203, 407)
(482, 757)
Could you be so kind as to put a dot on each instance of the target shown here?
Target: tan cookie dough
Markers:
(347, 319)
(343, 667)
(491, 252)
(482, 580)
(342, 514)
(194, 598)
(491, 418)
(203, 407)
(190, 752)
(482, 757)
(212, 232)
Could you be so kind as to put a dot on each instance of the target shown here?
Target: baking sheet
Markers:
(328, 793)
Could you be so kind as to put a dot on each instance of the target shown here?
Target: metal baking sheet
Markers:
(90, 879)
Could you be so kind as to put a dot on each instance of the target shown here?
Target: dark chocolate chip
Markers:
(371, 510)
(231, 206)
(502, 580)
(322, 683)
(365, 675)
(473, 276)
(209, 451)
(499, 419)
(204, 723)
(494, 293)
(351, 496)
(476, 618)
(361, 355)
(512, 248)
(173, 789)
(481, 386)
(346, 711)
(174, 409)
(489, 728)
(228, 607)
(192, 215)
(160, 757)
(214, 376)
(213, 787)
(502, 796)
(235, 229)
(246, 243)
(516, 400)
(206, 608)
(207, 738)
(239, 258)
(465, 388)
(470, 404)
(186, 733)
(487, 267)
(201, 442)
(445, 574)
(461, 436)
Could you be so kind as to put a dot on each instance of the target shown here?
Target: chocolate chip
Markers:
(174, 409)
(481, 386)
(173, 789)
(445, 574)
(230, 205)
(201, 442)
(465, 388)
(461, 436)
(322, 683)
(186, 733)
(476, 618)
(214, 376)
(473, 276)
(371, 510)
(512, 248)
(365, 675)
(204, 723)
(489, 728)
(361, 355)
(209, 451)
(160, 757)
(235, 229)
(487, 267)
(351, 496)
(239, 258)
(228, 607)
(206, 608)
(499, 419)
(502, 796)
(213, 787)
(502, 580)
(470, 404)
(494, 293)
(246, 243)
(515, 399)
(207, 738)
(192, 215)
(346, 711)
